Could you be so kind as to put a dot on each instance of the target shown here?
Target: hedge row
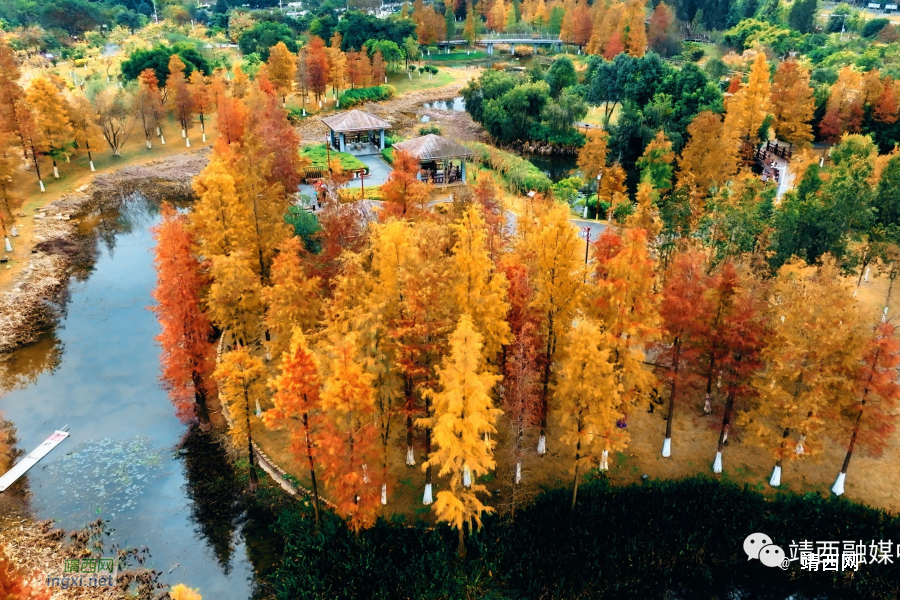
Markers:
(666, 539)
(356, 96)
(520, 174)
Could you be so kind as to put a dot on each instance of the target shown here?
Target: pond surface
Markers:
(128, 459)
(457, 104)
(555, 166)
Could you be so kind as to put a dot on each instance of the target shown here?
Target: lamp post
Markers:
(362, 184)
(599, 176)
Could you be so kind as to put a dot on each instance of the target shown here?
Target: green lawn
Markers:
(419, 81)
(457, 56)
(316, 153)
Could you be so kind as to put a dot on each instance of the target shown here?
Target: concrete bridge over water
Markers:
(513, 39)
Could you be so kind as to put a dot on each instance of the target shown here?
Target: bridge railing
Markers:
(499, 37)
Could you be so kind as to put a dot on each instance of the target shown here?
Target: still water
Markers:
(128, 459)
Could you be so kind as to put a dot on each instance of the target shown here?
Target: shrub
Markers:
(306, 225)
(521, 176)
(430, 128)
(370, 94)
(388, 155)
(871, 28)
(295, 115)
(693, 52)
(523, 51)
(678, 539)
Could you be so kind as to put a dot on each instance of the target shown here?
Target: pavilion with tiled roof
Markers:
(441, 160)
(356, 131)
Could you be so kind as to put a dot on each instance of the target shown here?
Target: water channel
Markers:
(128, 460)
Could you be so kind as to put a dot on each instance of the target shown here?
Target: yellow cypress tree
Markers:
(464, 415)
(54, 135)
(241, 378)
(708, 137)
(748, 108)
(793, 103)
(613, 188)
(479, 289)
(587, 399)
(265, 202)
(625, 303)
(337, 62)
(87, 134)
(222, 222)
(234, 301)
(281, 67)
(592, 156)
(636, 39)
(646, 216)
(240, 84)
(552, 253)
(817, 337)
(292, 299)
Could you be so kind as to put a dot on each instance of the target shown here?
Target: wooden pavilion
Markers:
(441, 160)
(356, 131)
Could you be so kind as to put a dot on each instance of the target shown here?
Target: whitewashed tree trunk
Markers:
(258, 409)
(383, 494)
(667, 448)
(183, 133)
(55, 172)
(604, 461)
(542, 445)
(717, 464)
(519, 472)
(365, 470)
(838, 487)
(800, 449)
(467, 477)
(427, 499)
(92, 167)
(8, 245)
(707, 406)
(14, 231)
(162, 140)
(149, 146)
(41, 182)
(775, 481)
(187, 142)
(204, 138)
(410, 457)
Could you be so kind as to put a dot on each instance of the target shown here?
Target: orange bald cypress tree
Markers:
(182, 99)
(297, 404)
(403, 193)
(187, 352)
(349, 436)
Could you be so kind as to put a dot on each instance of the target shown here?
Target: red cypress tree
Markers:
(732, 342)
(684, 305)
(316, 66)
(187, 352)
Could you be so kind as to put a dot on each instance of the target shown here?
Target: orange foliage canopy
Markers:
(187, 352)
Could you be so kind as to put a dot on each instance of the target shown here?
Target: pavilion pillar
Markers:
(535, 49)
(382, 139)
(343, 146)
(462, 174)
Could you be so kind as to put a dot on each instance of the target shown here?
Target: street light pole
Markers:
(587, 248)
(362, 184)
(599, 176)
